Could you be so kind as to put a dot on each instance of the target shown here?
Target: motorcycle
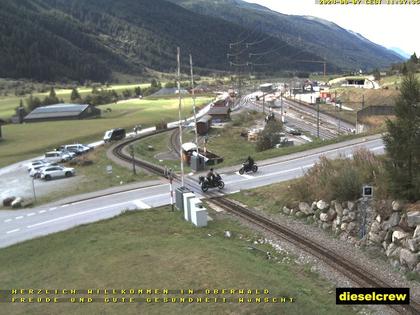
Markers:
(206, 184)
(248, 168)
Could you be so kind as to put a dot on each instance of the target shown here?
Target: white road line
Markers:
(42, 211)
(234, 192)
(53, 208)
(63, 206)
(140, 204)
(157, 196)
(31, 214)
(75, 215)
(19, 218)
(8, 220)
(12, 231)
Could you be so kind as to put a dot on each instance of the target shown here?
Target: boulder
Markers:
(346, 212)
(299, 214)
(352, 216)
(375, 227)
(338, 208)
(375, 238)
(286, 210)
(343, 226)
(327, 216)
(378, 218)
(388, 236)
(305, 208)
(413, 244)
(399, 235)
(326, 226)
(322, 205)
(413, 218)
(351, 205)
(313, 206)
(292, 211)
(350, 227)
(393, 251)
(408, 258)
(416, 232)
(392, 221)
(396, 205)
(404, 223)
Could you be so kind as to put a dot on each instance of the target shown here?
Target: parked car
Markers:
(77, 148)
(67, 152)
(114, 135)
(56, 156)
(35, 163)
(36, 171)
(49, 173)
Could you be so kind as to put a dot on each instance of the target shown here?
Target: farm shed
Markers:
(62, 112)
(219, 113)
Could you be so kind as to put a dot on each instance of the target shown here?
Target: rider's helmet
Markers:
(211, 170)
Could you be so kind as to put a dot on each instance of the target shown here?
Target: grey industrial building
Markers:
(62, 112)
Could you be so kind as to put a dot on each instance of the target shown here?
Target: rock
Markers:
(343, 226)
(338, 208)
(388, 236)
(396, 205)
(299, 214)
(395, 263)
(408, 258)
(391, 222)
(375, 238)
(398, 236)
(346, 212)
(292, 211)
(350, 227)
(352, 216)
(375, 227)
(305, 208)
(393, 251)
(228, 234)
(17, 203)
(326, 226)
(416, 232)
(413, 244)
(322, 205)
(328, 216)
(350, 205)
(413, 218)
(336, 223)
(417, 268)
(404, 223)
(313, 206)
(286, 210)
(378, 218)
(317, 213)
(384, 245)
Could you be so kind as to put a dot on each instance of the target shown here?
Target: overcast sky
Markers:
(387, 25)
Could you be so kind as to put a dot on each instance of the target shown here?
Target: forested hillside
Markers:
(75, 39)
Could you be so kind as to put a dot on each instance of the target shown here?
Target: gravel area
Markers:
(370, 261)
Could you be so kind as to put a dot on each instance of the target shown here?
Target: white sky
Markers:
(386, 25)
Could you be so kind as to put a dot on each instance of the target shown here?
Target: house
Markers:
(219, 113)
(62, 112)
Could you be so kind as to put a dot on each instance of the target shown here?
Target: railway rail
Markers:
(350, 270)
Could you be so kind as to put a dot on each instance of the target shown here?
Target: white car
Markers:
(36, 163)
(36, 170)
(49, 173)
(56, 156)
(77, 148)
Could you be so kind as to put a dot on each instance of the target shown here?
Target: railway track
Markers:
(356, 273)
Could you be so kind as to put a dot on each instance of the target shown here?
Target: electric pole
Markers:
(317, 120)
(193, 99)
(179, 112)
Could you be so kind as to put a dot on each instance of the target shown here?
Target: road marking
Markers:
(234, 192)
(140, 204)
(53, 208)
(42, 211)
(158, 196)
(245, 175)
(31, 214)
(19, 218)
(12, 231)
(63, 206)
(75, 215)
(8, 220)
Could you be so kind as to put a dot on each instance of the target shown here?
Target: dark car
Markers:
(114, 135)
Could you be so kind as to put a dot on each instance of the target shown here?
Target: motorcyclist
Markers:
(210, 176)
(249, 162)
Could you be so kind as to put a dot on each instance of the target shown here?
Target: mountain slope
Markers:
(76, 39)
(342, 48)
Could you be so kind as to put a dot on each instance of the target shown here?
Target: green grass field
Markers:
(9, 103)
(27, 140)
(157, 249)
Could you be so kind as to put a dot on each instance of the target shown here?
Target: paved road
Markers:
(20, 225)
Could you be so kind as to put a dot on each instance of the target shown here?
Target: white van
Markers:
(54, 157)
